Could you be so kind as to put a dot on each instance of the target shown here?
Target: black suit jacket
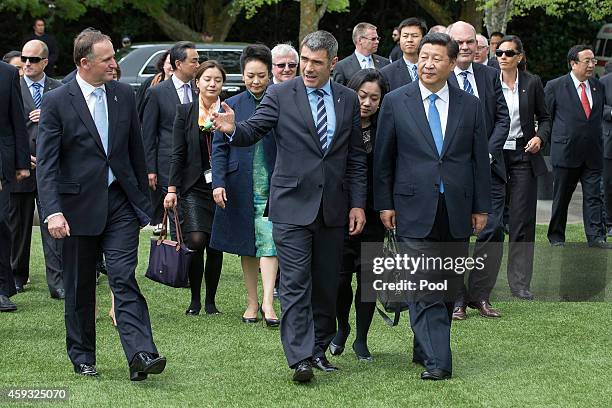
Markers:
(575, 140)
(14, 154)
(532, 106)
(347, 67)
(496, 116)
(28, 185)
(72, 165)
(159, 108)
(408, 168)
(305, 178)
(606, 81)
(492, 62)
(396, 74)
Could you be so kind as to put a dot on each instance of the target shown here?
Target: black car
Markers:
(138, 62)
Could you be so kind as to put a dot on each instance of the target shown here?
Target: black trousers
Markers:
(565, 181)
(522, 191)
(21, 216)
(119, 244)
(607, 190)
(310, 258)
(7, 283)
(431, 318)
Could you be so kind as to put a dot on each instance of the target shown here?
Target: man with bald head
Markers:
(484, 83)
(34, 85)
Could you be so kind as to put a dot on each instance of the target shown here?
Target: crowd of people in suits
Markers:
(439, 142)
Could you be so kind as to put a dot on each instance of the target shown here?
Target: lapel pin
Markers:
(338, 100)
(116, 98)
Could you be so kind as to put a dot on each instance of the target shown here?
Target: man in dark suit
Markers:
(34, 84)
(92, 187)
(159, 110)
(482, 53)
(606, 80)
(431, 182)
(366, 39)
(320, 173)
(576, 104)
(14, 166)
(404, 70)
(39, 33)
(484, 83)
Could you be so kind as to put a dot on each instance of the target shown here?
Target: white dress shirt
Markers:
(579, 90)
(470, 78)
(512, 100)
(178, 85)
(29, 83)
(365, 62)
(409, 65)
(441, 104)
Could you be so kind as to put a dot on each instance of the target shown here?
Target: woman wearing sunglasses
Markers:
(524, 96)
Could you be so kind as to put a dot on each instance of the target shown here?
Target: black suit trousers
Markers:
(564, 185)
(119, 244)
(310, 259)
(607, 190)
(7, 283)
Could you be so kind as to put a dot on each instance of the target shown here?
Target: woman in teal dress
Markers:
(241, 184)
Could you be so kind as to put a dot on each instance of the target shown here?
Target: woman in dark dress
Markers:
(241, 181)
(190, 183)
(371, 87)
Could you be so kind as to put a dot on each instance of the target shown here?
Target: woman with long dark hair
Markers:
(371, 87)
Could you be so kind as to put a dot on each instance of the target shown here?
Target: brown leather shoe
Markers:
(459, 313)
(485, 308)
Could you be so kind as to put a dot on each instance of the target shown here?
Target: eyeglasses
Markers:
(33, 60)
(372, 38)
(509, 53)
(282, 65)
(589, 61)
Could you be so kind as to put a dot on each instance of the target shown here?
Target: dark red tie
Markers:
(584, 100)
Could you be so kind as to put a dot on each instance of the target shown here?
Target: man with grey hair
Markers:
(34, 85)
(284, 63)
(437, 29)
(366, 42)
(482, 53)
(318, 186)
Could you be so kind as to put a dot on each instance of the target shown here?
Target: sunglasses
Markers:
(509, 53)
(33, 60)
(282, 65)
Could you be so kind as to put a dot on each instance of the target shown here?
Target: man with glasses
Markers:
(366, 42)
(284, 63)
(576, 104)
(482, 53)
(34, 85)
(404, 70)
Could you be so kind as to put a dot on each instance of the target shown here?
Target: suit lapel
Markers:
(452, 80)
(301, 100)
(573, 95)
(112, 103)
(338, 98)
(523, 97)
(596, 95)
(80, 106)
(27, 97)
(194, 128)
(355, 63)
(481, 80)
(171, 92)
(455, 111)
(403, 70)
(414, 106)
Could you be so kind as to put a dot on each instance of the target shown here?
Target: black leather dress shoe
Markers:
(303, 372)
(335, 349)
(600, 243)
(20, 288)
(6, 305)
(523, 294)
(88, 370)
(144, 364)
(58, 294)
(435, 374)
(323, 364)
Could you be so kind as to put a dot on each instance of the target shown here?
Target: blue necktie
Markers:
(101, 122)
(186, 92)
(467, 87)
(321, 119)
(414, 73)
(37, 95)
(436, 127)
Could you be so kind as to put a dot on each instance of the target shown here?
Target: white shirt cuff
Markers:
(51, 216)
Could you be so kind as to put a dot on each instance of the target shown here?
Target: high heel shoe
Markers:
(269, 322)
(250, 319)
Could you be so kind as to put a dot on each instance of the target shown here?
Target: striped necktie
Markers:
(467, 87)
(37, 95)
(414, 74)
(321, 119)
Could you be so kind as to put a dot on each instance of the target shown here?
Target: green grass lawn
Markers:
(540, 354)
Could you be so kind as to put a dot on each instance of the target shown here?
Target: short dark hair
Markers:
(369, 75)
(414, 22)
(10, 55)
(519, 47)
(572, 54)
(256, 52)
(452, 48)
(36, 20)
(497, 34)
(207, 65)
(84, 42)
(178, 52)
(321, 40)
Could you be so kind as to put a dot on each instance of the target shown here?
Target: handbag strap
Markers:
(387, 319)
(164, 231)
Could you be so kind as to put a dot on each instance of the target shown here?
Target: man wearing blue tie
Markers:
(431, 182)
(93, 191)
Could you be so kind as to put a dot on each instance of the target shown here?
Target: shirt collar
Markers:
(408, 63)
(178, 84)
(470, 69)
(326, 88)
(360, 56)
(442, 93)
(516, 82)
(577, 82)
(86, 87)
(29, 82)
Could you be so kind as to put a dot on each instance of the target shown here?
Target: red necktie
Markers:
(584, 100)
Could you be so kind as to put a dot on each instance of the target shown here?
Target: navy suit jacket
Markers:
(575, 140)
(347, 67)
(72, 171)
(408, 168)
(606, 81)
(305, 178)
(14, 153)
(396, 74)
(496, 116)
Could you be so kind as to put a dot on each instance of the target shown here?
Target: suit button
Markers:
(440, 162)
(320, 185)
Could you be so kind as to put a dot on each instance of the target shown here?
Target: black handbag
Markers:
(169, 260)
(392, 301)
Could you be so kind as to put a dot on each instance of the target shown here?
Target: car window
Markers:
(229, 59)
(599, 47)
(608, 50)
(150, 68)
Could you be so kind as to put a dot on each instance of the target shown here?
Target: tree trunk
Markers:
(219, 18)
(310, 15)
(471, 14)
(173, 28)
(497, 17)
(437, 11)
